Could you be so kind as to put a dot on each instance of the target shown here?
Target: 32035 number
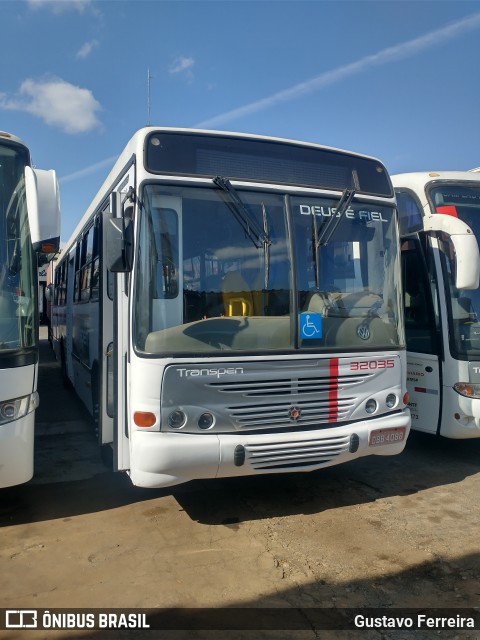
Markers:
(372, 365)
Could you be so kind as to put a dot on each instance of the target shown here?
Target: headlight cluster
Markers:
(178, 419)
(11, 410)
(391, 401)
(467, 389)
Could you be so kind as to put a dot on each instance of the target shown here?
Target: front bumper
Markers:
(165, 459)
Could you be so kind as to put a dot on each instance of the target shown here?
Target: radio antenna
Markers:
(149, 77)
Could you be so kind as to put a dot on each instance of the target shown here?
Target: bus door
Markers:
(114, 349)
(423, 346)
(424, 391)
(106, 407)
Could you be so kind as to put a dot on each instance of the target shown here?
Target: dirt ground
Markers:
(378, 532)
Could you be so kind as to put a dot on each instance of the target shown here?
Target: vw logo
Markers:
(294, 413)
(363, 332)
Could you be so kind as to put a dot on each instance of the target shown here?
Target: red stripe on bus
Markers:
(333, 391)
(448, 210)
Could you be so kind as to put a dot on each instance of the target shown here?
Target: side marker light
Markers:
(144, 418)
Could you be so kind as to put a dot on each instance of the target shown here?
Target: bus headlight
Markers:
(177, 419)
(11, 410)
(467, 389)
(206, 421)
(391, 400)
(371, 406)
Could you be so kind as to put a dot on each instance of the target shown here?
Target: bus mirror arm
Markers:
(467, 257)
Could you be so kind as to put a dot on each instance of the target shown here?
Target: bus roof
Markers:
(419, 179)
(9, 136)
(135, 147)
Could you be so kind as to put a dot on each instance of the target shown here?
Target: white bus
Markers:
(230, 304)
(442, 299)
(29, 224)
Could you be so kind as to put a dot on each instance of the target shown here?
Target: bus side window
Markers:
(166, 249)
(409, 212)
(86, 269)
(56, 290)
(95, 265)
(76, 292)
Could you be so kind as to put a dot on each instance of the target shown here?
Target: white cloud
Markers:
(181, 64)
(86, 49)
(58, 6)
(391, 54)
(82, 173)
(58, 103)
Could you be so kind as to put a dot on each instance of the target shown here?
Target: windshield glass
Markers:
(462, 201)
(17, 293)
(205, 283)
(352, 281)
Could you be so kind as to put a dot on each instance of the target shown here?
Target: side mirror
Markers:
(118, 236)
(467, 256)
(467, 274)
(43, 206)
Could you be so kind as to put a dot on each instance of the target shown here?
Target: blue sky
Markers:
(398, 80)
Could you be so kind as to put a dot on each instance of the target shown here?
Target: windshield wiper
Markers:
(331, 226)
(266, 246)
(257, 235)
(315, 249)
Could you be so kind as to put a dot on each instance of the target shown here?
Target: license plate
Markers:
(380, 437)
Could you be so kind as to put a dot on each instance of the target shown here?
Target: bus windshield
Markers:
(462, 201)
(206, 283)
(17, 292)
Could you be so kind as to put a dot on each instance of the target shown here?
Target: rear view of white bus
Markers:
(29, 223)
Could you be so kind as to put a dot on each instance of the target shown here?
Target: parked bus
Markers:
(230, 305)
(29, 224)
(442, 299)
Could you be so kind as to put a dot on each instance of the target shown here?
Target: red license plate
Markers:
(381, 437)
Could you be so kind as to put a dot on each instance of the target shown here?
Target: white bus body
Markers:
(442, 299)
(231, 305)
(29, 223)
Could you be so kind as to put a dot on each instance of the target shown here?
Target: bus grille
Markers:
(287, 386)
(296, 454)
(314, 398)
(279, 414)
(266, 396)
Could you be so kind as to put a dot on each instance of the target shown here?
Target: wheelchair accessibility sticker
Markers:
(310, 326)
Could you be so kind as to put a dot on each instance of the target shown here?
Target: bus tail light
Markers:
(467, 389)
(406, 399)
(144, 418)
